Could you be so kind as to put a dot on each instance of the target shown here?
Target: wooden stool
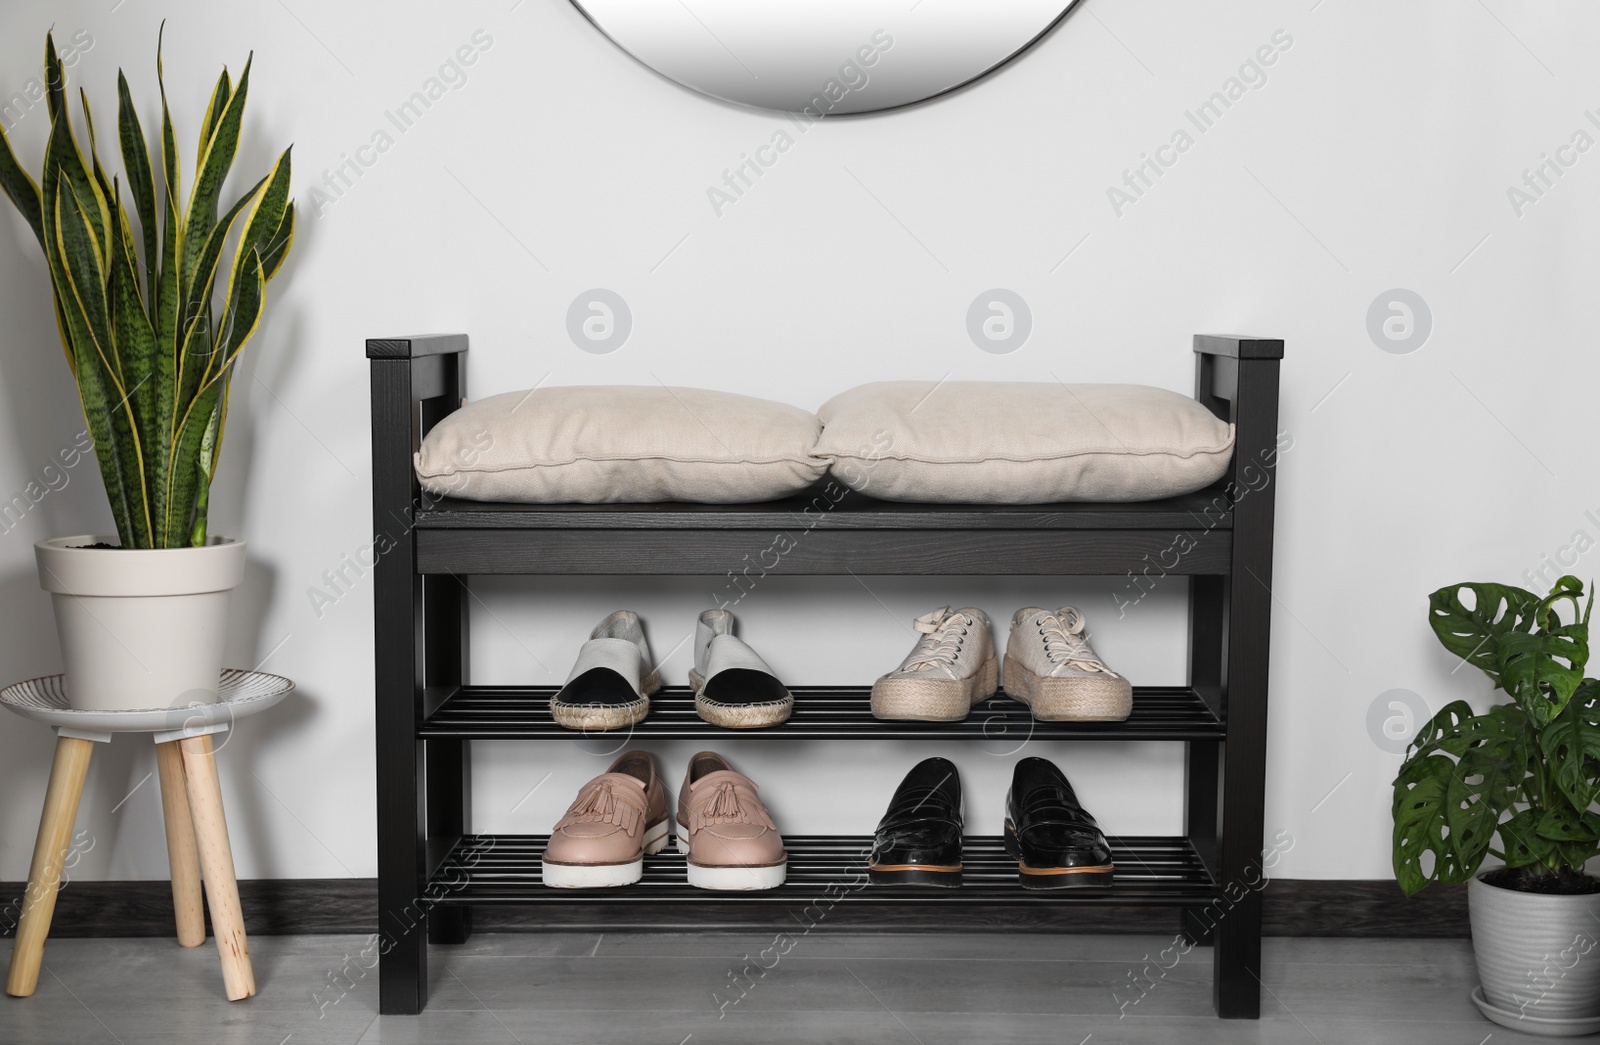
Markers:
(191, 802)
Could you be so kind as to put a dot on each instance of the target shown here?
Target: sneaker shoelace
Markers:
(727, 806)
(1064, 642)
(601, 803)
(943, 633)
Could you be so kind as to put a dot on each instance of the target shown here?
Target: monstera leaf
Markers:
(1464, 772)
(1571, 746)
(1524, 846)
(1421, 824)
(1474, 633)
(1488, 780)
(1518, 639)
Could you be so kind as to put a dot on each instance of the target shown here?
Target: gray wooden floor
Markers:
(664, 989)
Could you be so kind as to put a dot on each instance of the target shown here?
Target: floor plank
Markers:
(707, 989)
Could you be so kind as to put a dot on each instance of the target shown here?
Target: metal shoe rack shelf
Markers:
(433, 871)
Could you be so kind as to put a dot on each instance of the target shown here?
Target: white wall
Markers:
(1377, 155)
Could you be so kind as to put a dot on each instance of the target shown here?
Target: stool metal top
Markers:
(241, 693)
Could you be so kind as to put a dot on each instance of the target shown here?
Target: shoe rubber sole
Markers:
(604, 876)
(1092, 878)
(739, 716)
(933, 700)
(942, 877)
(733, 878)
(594, 718)
(1054, 699)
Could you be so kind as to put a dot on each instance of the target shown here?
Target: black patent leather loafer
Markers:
(918, 841)
(1056, 843)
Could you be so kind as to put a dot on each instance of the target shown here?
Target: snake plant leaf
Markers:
(277, 251)
(141, 182)
(99, 172)
(99, 358)
(185, 475)
(210, 173)
(197, 352)
(123, 242)
(199, 349)
(50, 193)
(213, 452)
(99, 399)
(169, 299)
(62, 149)
(267, 217)
(193, 356)
(61, 331)
(1474, 634)
(62, 152)
(168, 320)
(245, 298)
(96, 387)
(169, 340)
(20, 188)
(80, 257)
(55, 79)
(211, 254)
(214, 110)
(137, 349)
(206, 466)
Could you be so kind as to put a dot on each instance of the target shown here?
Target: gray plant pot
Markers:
(1538, 956)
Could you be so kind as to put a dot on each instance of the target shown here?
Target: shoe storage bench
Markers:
(433, 870)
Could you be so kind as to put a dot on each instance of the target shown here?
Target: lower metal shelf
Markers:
(1156, 871)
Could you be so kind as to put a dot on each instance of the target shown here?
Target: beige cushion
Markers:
(983, 442)
(618, 443)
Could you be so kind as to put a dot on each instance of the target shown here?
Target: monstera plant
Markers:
(153, 322)
(1528, 770)
(153, 308)
(1526, 773)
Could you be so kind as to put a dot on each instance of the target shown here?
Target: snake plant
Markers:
(1526, 771)
(139, 316)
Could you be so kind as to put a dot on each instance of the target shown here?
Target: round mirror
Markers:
(824, 57)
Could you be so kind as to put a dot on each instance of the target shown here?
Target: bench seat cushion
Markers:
(618, 443)
(983, 442)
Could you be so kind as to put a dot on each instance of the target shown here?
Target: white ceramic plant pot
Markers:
(1538, 955)
(140, 628)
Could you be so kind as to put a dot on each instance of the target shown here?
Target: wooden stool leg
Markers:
(183, 858)
(67, 774)
(216, 863)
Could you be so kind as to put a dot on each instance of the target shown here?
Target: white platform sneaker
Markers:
(951, 668)
(1051, 667)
